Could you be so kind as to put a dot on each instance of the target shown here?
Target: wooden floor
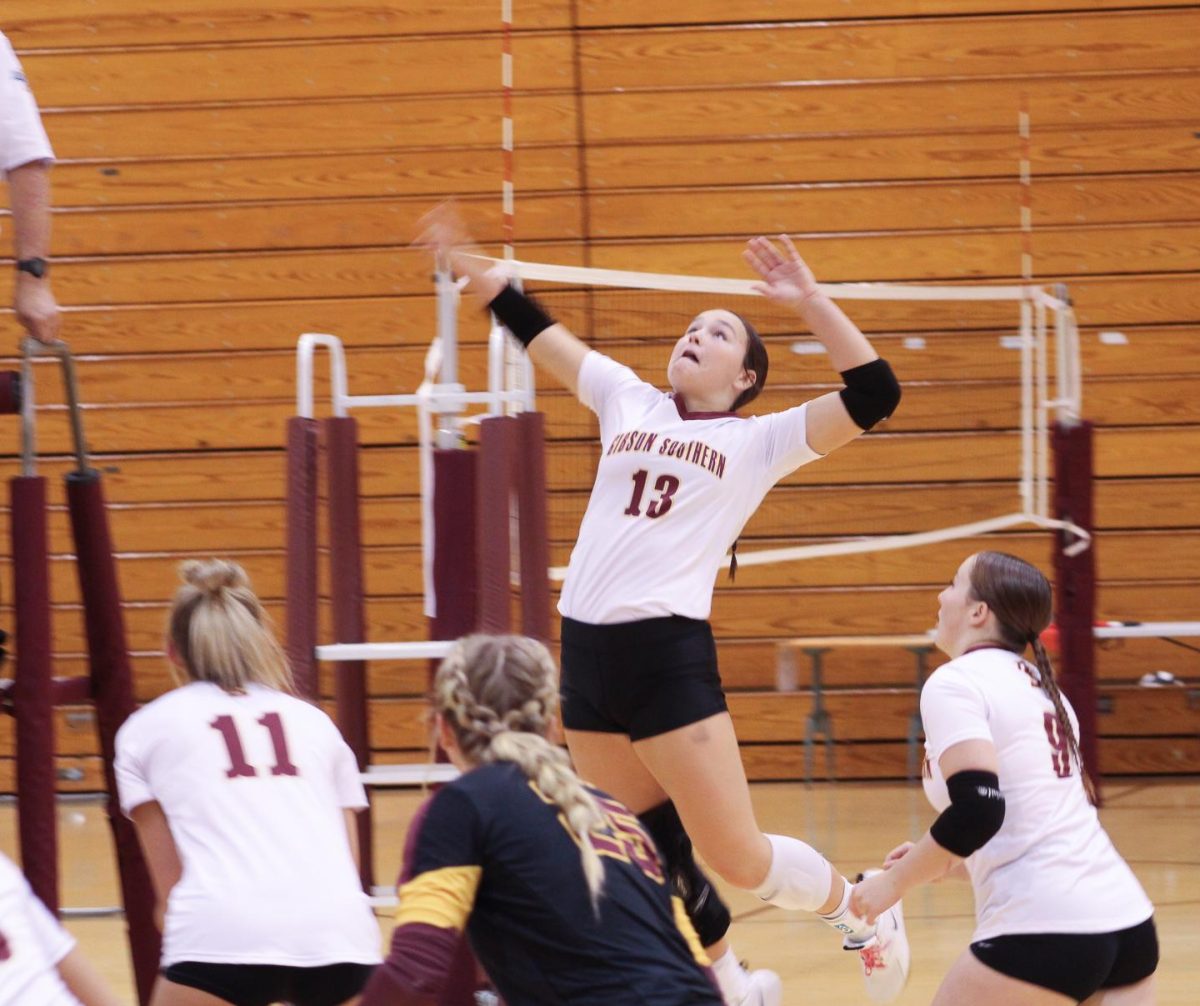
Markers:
(1155, 824)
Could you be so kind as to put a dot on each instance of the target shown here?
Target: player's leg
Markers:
(608, 761)
(1138, 994)
(700, 767)
(969, 980)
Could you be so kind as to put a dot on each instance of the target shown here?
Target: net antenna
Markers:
(1034, 307)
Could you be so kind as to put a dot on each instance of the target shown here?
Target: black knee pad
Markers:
(709, 914)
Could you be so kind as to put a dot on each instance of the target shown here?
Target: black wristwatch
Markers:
(34, 266)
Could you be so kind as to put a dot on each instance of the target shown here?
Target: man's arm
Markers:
(29, 197)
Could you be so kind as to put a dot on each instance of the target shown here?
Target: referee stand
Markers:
(34, 693)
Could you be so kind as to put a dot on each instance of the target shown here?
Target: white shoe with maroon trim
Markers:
(885, 956)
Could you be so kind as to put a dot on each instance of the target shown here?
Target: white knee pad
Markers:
(799, 877)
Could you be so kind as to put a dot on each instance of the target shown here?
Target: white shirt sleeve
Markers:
(609, 389)
(133, 788)
(22, 137)
(952, 710)
(347, 782)
(785, 441)
(55, 941)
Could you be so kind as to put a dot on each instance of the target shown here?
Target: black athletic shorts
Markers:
(1076, 964)
(640, 678)
(263, 984)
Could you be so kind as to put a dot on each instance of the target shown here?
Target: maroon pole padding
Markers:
(10, 392)
(32, 696)
(349, 620)
(1075, 585)
(112, 692)
(532, 532)
(493, 494)
(301, 604)
(72, 691)
(455, 560)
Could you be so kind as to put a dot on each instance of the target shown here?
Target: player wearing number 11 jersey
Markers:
(244, 797)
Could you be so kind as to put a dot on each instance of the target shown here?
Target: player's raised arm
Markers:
(872, 391)
(551, 346)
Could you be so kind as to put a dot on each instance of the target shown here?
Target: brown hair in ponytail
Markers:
(499, 695)
(1017, 593)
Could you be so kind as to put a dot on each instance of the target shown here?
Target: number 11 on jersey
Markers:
(238, 765)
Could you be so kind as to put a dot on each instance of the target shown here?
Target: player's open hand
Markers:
(444, 233)
(786, 277)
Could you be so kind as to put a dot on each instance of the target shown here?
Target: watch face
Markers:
(34, 266)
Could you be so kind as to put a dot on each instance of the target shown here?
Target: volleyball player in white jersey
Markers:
(39, 961)
(1060, 917)
(679, 476)
(244, 798)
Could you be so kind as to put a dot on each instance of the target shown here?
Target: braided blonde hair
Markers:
(499, 694)
(220, 631)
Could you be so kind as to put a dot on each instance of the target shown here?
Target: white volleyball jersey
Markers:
(31, 945)
(253, 787)
(22, 137)
(1051, 868)
(672, 492)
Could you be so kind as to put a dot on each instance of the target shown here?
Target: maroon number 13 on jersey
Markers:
(665, 485)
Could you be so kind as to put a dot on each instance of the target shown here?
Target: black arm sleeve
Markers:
(975, 814)
(520, 314)
(871, 392)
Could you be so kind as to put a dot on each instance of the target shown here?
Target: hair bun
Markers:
(213, 575)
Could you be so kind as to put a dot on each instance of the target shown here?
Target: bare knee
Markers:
(742, 863)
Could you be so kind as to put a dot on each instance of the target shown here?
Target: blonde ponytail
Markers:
(499, 695)
(220, 631)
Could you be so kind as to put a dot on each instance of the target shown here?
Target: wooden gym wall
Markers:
(233, 174)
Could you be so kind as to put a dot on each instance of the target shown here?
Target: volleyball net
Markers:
(987, 370)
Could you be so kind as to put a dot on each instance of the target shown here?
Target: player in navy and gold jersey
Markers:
(558, 887)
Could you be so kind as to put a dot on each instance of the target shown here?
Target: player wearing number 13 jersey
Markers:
(244, 797)
(1059, 914)
(680, 474)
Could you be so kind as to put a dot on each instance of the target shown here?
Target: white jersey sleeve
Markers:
(55, 941)
(953, 710)
(347, 780)
(23, 139)
(31, 945)
(785, 442)
(615, 393)
(133, 788)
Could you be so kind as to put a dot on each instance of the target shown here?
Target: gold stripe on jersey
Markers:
(689, 932)
(441, 898)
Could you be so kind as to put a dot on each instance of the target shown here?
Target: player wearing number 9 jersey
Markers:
(1060, 916)
(680, 474)
(557, 886)
(244, 799)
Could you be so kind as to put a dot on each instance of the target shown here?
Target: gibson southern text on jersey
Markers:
(695, 451)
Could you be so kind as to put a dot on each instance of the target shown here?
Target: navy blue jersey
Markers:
(490, 855)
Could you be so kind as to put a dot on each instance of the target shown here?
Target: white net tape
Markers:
(1032, 308)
